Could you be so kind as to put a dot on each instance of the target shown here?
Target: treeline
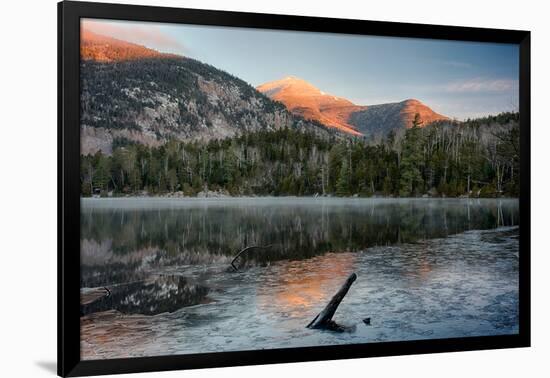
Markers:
(478, 158)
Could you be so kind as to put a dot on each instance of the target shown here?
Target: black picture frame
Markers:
(69, 15)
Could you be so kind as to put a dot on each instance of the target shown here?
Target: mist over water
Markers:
(427, 268)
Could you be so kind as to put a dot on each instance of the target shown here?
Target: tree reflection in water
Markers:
(127, 243)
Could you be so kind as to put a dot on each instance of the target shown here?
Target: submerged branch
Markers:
(246, 250)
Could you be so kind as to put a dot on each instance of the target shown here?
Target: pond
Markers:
(427, 268)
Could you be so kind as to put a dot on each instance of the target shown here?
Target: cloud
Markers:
(455, 64)
(143, 34)
(478, 85)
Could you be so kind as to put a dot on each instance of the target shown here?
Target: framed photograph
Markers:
(239, 188)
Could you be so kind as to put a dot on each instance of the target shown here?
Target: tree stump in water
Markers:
(324, 319)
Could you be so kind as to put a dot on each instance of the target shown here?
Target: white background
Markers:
(28, 187)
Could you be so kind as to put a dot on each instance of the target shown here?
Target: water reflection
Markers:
(459, 286)
(299, 286)
(155, 296)
(151, 249)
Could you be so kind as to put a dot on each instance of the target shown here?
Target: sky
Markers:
(458, 79)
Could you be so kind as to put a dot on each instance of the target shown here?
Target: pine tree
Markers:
(411, 160)
(342, 184)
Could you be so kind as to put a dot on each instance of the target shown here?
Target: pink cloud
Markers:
(145, 34)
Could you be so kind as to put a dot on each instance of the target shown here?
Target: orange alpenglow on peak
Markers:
(412, 107)
(304, 99)
(101, 48)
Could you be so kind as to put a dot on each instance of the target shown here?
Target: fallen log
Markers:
(324, 319)
(246, 250)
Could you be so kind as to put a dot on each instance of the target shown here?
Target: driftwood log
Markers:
(324, 319)
(246, 250)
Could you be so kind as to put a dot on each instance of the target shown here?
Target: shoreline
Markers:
(167, 197)
(290, 198)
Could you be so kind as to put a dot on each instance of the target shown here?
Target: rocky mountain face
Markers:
(303, 99)
(132, 94)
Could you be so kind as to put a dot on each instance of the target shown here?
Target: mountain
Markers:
(380, 119)
(304, 99)
(133, 94)
(100, 48)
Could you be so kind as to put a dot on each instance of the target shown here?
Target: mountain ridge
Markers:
(302, 98)
(132, 94)
(102, 48)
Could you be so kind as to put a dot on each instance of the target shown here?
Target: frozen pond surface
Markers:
(427, 268)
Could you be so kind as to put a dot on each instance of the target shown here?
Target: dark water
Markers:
(427, 268)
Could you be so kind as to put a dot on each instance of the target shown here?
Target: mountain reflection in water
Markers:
(166, 264)
(301, 287)
(119, 237)
(156, 295)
